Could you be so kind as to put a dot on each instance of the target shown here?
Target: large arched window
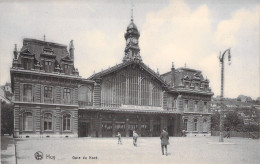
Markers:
(107, 93)
(66, 122)
(195, 127)
(27, 121)
(85, 96)
(133, 89)
(120, 89)
(145, 92)
(47, 121)
(156, 96)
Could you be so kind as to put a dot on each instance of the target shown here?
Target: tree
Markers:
(233, 121)
(7, 118)
(215, 118)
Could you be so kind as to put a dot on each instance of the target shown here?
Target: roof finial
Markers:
(15, 47)
(132, 11)
(185, 65)
(44, 37)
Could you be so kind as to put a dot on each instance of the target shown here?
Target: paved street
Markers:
(7, 150)
(187, 150)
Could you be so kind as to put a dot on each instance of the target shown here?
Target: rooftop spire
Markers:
(172, 66)
(132, 11)
(44, 37)
(15, 47)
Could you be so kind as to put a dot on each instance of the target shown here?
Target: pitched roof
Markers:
(125, 64)
(36, 48)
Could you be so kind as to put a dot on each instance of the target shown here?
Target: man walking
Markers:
(119, 138)
(135, 135)
(164, 141)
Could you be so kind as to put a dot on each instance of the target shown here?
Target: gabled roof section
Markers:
(26, 51)
(125, 64)
(37, 47)
(66, 58)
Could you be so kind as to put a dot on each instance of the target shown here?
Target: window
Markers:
(174, 103)
(27, 92)
(205, 125)
(47, 121)
(48, 66)
(27, 64)
(185, 124)
(67, 95)
(133, 89)
(106, 93)
(132, 127)
(27, 121)
(156, 97)
(171, 103)
(47, 63)
(205, 87)
(205, 107)
(145, 92)
(186, 103)
(67, 69)
(107, 127)
(120, 127)
(196, 106)
(66, 122)
(195, 128)
(85, 96)
(48, 94)
(196, 86)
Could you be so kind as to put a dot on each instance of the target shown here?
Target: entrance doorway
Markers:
(83, 129)
(170, 127)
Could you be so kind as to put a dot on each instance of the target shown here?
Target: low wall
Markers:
(238, 134)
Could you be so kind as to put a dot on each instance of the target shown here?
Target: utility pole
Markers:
(221, 60)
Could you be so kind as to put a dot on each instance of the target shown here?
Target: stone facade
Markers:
(45, 85)
(52, 100)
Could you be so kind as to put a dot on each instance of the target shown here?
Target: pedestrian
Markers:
(135, 135)
(183, 133)
(228, 132)
(164, 141)
(119, 138)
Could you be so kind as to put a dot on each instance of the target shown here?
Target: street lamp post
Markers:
(221, 60)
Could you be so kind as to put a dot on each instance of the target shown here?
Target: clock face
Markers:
(134, 40)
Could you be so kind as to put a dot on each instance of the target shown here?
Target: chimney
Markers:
(15, 51)
(71, 50)
(172, 75)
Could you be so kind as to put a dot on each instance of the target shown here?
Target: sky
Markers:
(180, 31)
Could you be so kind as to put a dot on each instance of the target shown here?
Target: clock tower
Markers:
(132, 50)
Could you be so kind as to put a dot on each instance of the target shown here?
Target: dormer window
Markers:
(27, 63)
(196, 86)
(48, 66)
(67, 69)
(48, 52)
(205, 87)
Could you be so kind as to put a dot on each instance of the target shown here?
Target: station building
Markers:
(52, 100)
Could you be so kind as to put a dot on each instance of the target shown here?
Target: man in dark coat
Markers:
(164, 141)
(135, 135)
